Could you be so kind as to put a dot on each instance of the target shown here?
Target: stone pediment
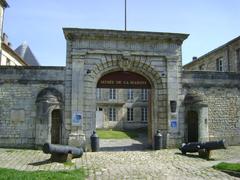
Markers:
(123, 40)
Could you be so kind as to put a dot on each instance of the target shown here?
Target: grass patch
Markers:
(11, 150)
(10, 174)
(68, 164)
(113, 134)
(228, 166)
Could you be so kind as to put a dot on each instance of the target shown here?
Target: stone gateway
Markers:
(58, 104)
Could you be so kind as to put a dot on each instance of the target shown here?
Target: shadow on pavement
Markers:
(139, 143)
(47, 161)
(133, 147)
(194, 156)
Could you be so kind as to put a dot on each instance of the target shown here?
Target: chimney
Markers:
(5, 38)
(194, 58)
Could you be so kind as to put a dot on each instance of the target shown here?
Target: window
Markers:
(219, 64)
(130, 94)
(144, 114)
(112, 114)
(98, 93)
(201, 67)
(8, 62)
(112, 93)
(144, 94)
(130, 114)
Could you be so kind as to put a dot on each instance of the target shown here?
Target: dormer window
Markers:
(201, 67)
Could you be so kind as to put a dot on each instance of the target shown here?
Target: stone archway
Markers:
(135, 65)
(49, 112)
(196, 118)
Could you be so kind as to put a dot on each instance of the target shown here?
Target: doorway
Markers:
(125, 101)
(56, 126)
(192, 124)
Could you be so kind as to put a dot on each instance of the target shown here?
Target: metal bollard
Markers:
(158, 140)
(94, 142)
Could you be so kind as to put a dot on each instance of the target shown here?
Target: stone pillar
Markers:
(203, 135)
(76, 137)
(173, 86)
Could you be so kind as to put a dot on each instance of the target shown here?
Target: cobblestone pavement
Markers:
(163, 164)
(139, 143)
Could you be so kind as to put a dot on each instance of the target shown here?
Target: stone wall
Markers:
(19, 88)
(220, 92)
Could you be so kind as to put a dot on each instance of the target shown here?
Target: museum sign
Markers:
(124, 80)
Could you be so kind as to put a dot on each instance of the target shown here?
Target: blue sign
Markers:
(77, 118)
(173, 124)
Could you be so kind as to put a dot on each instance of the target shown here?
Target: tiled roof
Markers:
(26, 54)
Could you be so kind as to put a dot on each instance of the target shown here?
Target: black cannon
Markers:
(203, 149)
(62, 152)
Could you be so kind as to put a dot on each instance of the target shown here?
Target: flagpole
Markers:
(125, 15)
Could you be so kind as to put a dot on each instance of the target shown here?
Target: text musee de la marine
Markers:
(124, 82)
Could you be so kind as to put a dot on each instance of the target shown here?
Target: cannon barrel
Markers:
(213, 145)
(62, 149)
(196, 146)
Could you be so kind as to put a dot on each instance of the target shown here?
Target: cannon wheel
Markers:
(184, 152)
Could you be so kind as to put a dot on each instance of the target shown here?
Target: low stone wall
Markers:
(220, 91)
(19, 87)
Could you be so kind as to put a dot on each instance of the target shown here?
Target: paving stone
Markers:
(163, 164)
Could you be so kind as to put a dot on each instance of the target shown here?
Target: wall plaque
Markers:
(77, 118)
(123, 80)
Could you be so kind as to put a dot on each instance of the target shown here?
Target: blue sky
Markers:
(210, 23)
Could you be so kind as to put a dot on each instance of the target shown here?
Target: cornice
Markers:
(72, 34)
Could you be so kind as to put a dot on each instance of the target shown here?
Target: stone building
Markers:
(60, 104)
(123, 79)
(122, 108)
(22, 56)
(214, 80)
(225, 58)
(34, 99)
(8, 56)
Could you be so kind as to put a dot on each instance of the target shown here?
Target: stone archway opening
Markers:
(123, 101)
(49, 117)
(196, 121)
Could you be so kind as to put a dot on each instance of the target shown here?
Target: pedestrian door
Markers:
(56, 126)
(192, 124)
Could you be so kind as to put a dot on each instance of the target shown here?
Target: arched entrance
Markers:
(196, 121)
(192, 126)
(49, 117)
(129, 102)
(84, 92)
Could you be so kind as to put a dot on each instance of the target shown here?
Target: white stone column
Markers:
(203, 135)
